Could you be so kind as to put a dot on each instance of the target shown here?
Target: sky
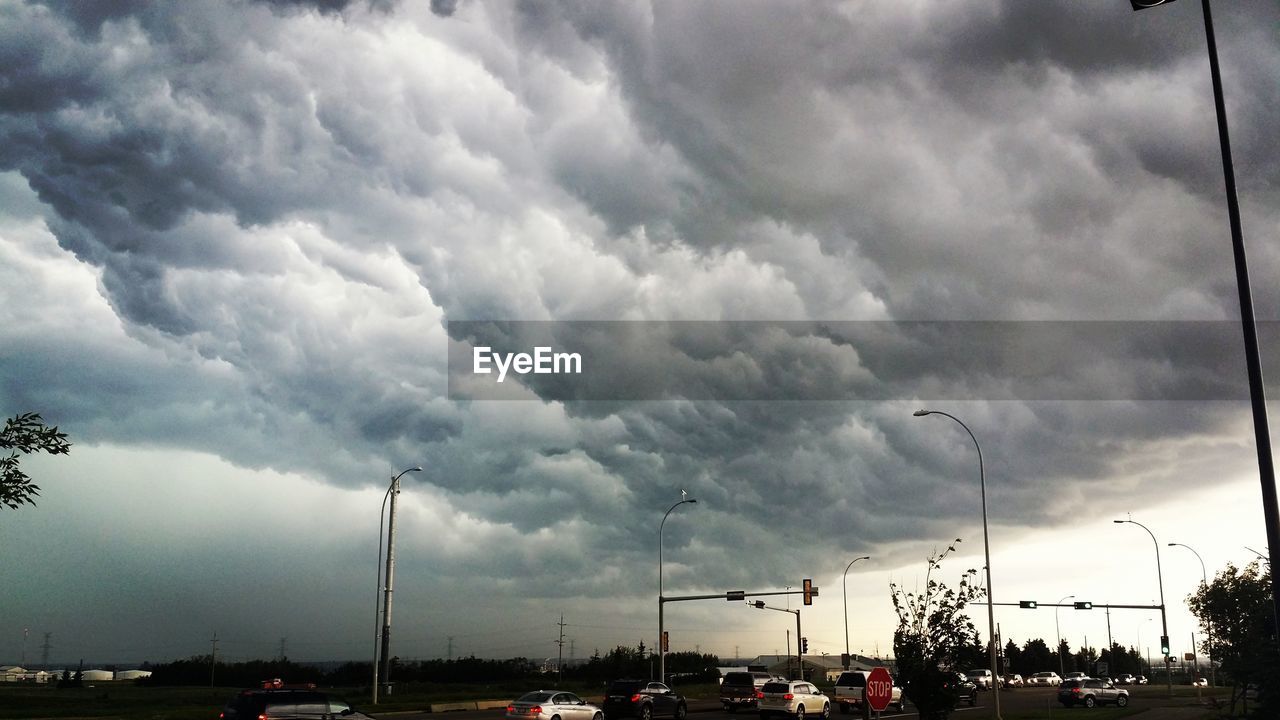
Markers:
(240, 242)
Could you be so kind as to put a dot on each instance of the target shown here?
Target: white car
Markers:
(850, 686)
(981, 678)
(796, 698)
(1045, 678)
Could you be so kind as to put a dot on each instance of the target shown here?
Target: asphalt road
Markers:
(1023, 699)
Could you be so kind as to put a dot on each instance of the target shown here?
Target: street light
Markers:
(1057, 629)
(662, 651)
(759, 605)
(845, 588)
(1253, 361)
(1164, 622)
(986, 549)
(1204, 579)
(392, 491)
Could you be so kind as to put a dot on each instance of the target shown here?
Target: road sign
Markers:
(666, 641)
(879, 690)
(1102, 668)
(735, 595)
(1188, 656)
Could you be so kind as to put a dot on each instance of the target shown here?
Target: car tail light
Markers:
(635, 698)
(511, 709)
(535, 710)
(788, 696)
(759, 694)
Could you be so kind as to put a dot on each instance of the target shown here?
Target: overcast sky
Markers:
(233, 237)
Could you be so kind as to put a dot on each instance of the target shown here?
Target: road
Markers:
(1020, 700)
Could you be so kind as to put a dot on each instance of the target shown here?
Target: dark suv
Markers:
(742, 689)
(288, 704)
(642, 699)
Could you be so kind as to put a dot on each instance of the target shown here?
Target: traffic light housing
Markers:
(666, 641)
(1027, 604)
(1164, 644)
(809, 591)
(804, 645)
(1084, 606)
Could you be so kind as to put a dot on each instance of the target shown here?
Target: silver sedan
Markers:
(552, 705)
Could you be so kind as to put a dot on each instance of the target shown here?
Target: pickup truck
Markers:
(742, 689)
(849, 690)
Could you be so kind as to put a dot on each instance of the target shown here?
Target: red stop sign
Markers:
(879, 689)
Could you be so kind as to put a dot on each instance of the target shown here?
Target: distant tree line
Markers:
(620, 662)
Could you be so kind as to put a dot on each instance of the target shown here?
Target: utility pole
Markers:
(213, 660)
(560, 658)
(282, 655)
(44, 651)
(386, 592)
(449, 655)
(24, 647)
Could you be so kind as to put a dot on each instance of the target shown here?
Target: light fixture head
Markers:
(921, 413)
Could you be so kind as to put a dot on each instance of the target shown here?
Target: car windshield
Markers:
(535, 697)
(739, 678)
(851, 680)
(776, 687)
(627, 687)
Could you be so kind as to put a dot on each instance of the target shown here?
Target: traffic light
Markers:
(1164, 644)
(809, 591)
(1027, 604)
(1084, 606)
(758, 604)
(804, 645)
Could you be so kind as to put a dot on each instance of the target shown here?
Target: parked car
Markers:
(966, 689)
(1076, 675)
(1045, 678)
(552, 705)
(642, 699)
(1011, 681)
(980, 677)
(1141, 680)
(1090, 692)
(850, 687)
(1200, 682)
(1125, 679)
(742, 689)
(274, 701)
(796, 698)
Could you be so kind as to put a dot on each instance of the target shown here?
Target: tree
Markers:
(935, 639)
(25, 433)
(1036, 657)
(1235, 611)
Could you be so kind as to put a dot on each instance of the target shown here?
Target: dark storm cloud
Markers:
(283, 204)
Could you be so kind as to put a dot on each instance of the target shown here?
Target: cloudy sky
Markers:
(239, 240)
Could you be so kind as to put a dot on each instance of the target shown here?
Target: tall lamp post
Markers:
(759, 605)
(1057, 629)
(392, 491)
(845, 588)
(986, 550)
(1204, 579)
(662, 651)
(1164, 621)
(1253, 361)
